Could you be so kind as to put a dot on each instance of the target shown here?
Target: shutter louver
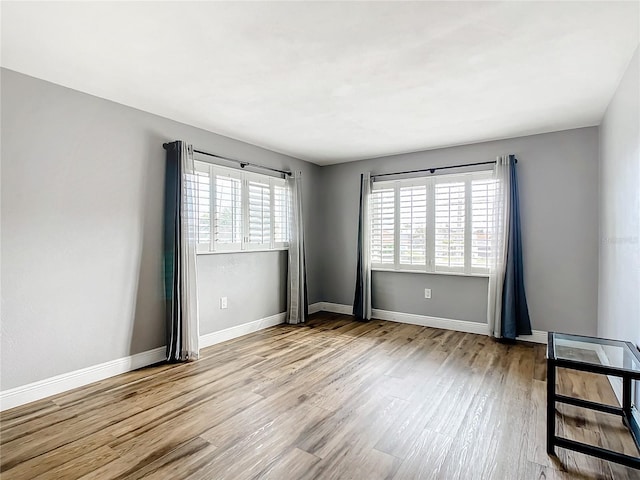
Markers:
(449, 225)
(413, 225)
(382, 205)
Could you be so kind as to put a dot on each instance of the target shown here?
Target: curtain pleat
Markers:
(297, 301)
(180, 225)
(362, 298)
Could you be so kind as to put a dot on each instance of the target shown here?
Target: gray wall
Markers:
(619, 286)
(451, 296)
(81, 242)
(558, 176)
(253, 282)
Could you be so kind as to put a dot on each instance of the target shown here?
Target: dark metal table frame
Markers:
(625, 412)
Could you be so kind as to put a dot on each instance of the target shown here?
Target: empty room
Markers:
(320, 240)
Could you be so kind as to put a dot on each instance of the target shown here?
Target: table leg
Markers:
(626, 397)
(551, 407)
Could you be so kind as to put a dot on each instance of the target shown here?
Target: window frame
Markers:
(430, 182)
(215, 247)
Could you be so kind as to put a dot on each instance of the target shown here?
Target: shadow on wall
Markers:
(147, 328)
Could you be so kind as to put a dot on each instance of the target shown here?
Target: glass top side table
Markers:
(601, 356)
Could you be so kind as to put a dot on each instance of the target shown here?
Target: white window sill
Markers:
(223, 252)
(455, 274)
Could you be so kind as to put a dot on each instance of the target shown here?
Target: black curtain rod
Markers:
(240, 162)
(433, 170)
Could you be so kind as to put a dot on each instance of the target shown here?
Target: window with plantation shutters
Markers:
(382, 205)
(433, 224)
(239, 210)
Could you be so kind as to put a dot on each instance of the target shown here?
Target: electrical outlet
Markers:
(427, 293)
(223, 302)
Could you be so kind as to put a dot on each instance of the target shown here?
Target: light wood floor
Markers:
(331, 399)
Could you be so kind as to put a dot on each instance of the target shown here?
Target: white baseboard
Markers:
(331, 307)
(230, 333)
(434, 322)
(79, 378)
(537, 336)
(315, 308)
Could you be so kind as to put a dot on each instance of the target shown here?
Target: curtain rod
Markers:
(240, 162)
(433, 169)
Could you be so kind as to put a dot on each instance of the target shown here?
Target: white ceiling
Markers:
(334, 82)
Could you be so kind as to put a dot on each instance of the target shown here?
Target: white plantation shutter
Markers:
(449, 225)
(190, 186)
(281, 208)
(259, 213)
(382, 205)
(413, 225)
(201, 191)
(482, 200)
(228, 211)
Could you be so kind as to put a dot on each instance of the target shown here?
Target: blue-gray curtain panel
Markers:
(515, 312)
(172, 239)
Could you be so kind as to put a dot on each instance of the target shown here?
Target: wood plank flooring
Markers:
(332, 399)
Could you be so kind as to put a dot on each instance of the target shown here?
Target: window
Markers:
(239, 210)
(433, 224)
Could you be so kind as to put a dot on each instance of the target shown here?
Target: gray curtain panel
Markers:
(515, 312)
(362, 299)
(297, 300)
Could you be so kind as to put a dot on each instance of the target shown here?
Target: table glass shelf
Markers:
(613, 354)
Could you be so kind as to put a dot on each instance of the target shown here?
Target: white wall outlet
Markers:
(427, 293)
(223, 302)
